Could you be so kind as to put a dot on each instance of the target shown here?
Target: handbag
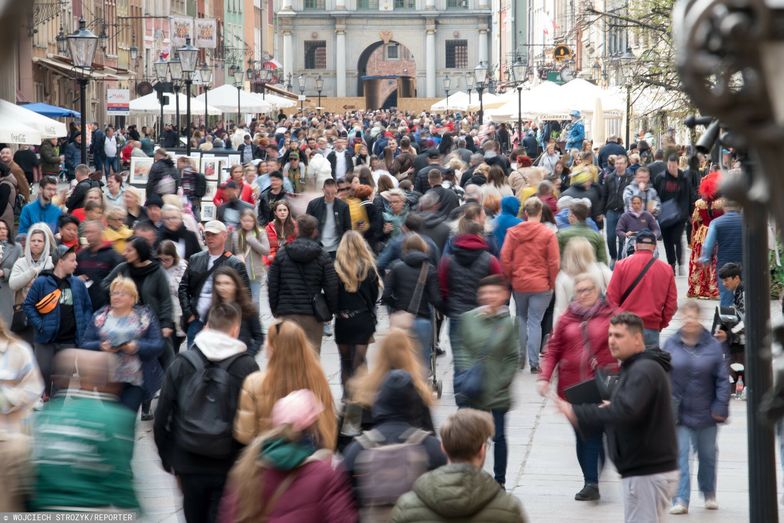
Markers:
(19, 321)
(469, 384)
(318, 301)
(670, 213)
(405, 319)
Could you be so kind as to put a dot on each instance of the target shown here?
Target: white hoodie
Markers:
(217, 346)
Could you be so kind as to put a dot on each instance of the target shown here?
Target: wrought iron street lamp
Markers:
(161, 72)
(238, 74)
(480, 76)
(81, 46)
(175, 71)
(205, 74)
(319, 88)
(62, 42)
(469, 82)
(188, 56)
(447, 86)
(301, 82)
(519, 76)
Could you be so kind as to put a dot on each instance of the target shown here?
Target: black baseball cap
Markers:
(646, 237)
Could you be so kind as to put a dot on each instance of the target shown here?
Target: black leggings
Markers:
(352, 357)
(673, 244)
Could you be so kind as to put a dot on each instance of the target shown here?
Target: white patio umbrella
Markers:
(149, 104)
(597, 123)
(278, 102)
(25, 120)
(457, 101)
(225, 99)
(15, 132)
(543, 94)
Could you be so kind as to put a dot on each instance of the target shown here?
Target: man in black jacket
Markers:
(270, 196)
(164, 178)
(638, 421)
(195, 290)
(421, 183)
(447, 198)
(612, 147)
(83, 184)
(201, 470)
(675, 193)
(300, 271)
(614, 206)
(333, 216)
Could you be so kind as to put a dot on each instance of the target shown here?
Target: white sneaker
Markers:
(328, 329)
(711, 504)
(679, 508)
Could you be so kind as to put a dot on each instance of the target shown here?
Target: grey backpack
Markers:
(386, 471)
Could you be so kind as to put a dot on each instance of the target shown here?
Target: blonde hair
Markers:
(172, 199)
(354, 261)
(578, 256)
(116, 213)
(133, 191)
(394, 352)
(95, 190)
(125, 284)
(293, 365)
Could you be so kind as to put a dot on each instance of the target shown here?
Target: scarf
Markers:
(586, 313)
(286, 455)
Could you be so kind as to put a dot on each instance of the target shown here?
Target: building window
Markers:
(457, 4)
(316, 54)
(456, 54)
(367, 5)
(315, 4)
(405, 4)
(392, 52)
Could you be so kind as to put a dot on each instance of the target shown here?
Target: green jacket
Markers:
(458, 493)
(50, 158)
(580, 229)
(82, 453)
(495, 336)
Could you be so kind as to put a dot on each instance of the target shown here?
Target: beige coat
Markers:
(254, 418)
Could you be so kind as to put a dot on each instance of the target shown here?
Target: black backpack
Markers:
(200, 186)
(206, 406)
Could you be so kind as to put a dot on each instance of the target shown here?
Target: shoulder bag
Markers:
(468, 384)
(636, 281)
(317, 299)
(404, 319)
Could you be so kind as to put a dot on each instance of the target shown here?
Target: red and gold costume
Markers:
(702, 278)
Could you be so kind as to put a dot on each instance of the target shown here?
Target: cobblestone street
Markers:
(543, 470)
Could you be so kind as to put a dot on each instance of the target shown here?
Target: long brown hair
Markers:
(294, 365)
(395, 352)
(241, 294)
(288, 227)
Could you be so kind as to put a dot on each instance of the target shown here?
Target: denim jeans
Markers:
(423, 330)
(530, 309)
(614, 244)
(255, 293)
(726, 296)
(590, 455)
(111, 164)
(651, 338)
(499, 445)
(704, 442)
(194, 328)
(454, 338)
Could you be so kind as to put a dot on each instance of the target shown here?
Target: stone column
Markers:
(340, 5)
(430, 59)
(288, 54)
(430, 5)
(340, 60)
(482, 47)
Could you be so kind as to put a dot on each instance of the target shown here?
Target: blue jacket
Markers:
(73, 156)
(150, 343)
(725, 234)
(562, 220)
(700, 380)
(394, 251)
(510, 206)
(47, 325)
(576, 136)
(33, 212)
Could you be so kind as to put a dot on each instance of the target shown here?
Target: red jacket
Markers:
(654, 299)
(318, 493)
(577, 352)
(530, 257)
(272, 236)
(245, 194)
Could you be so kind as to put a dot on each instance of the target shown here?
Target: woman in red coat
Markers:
(280, 231)
(577, 348)
(282, 478)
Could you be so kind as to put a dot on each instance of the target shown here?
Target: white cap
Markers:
(215, 227)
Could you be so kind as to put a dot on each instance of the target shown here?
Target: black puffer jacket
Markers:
(196, 274)
(459, 273)
(182, 234)
(289, 293)
(401, 281)
(159, 170)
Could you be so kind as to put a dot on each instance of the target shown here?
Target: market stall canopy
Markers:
(14, 115)
(225, 99)
(149, 104)
(51, 111)
(278, 102)
(455, 102)
(14, 132)
(543, 94)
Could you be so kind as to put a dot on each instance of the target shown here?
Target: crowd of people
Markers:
(118, 295)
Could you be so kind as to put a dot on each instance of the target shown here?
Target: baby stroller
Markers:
(629, 246)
